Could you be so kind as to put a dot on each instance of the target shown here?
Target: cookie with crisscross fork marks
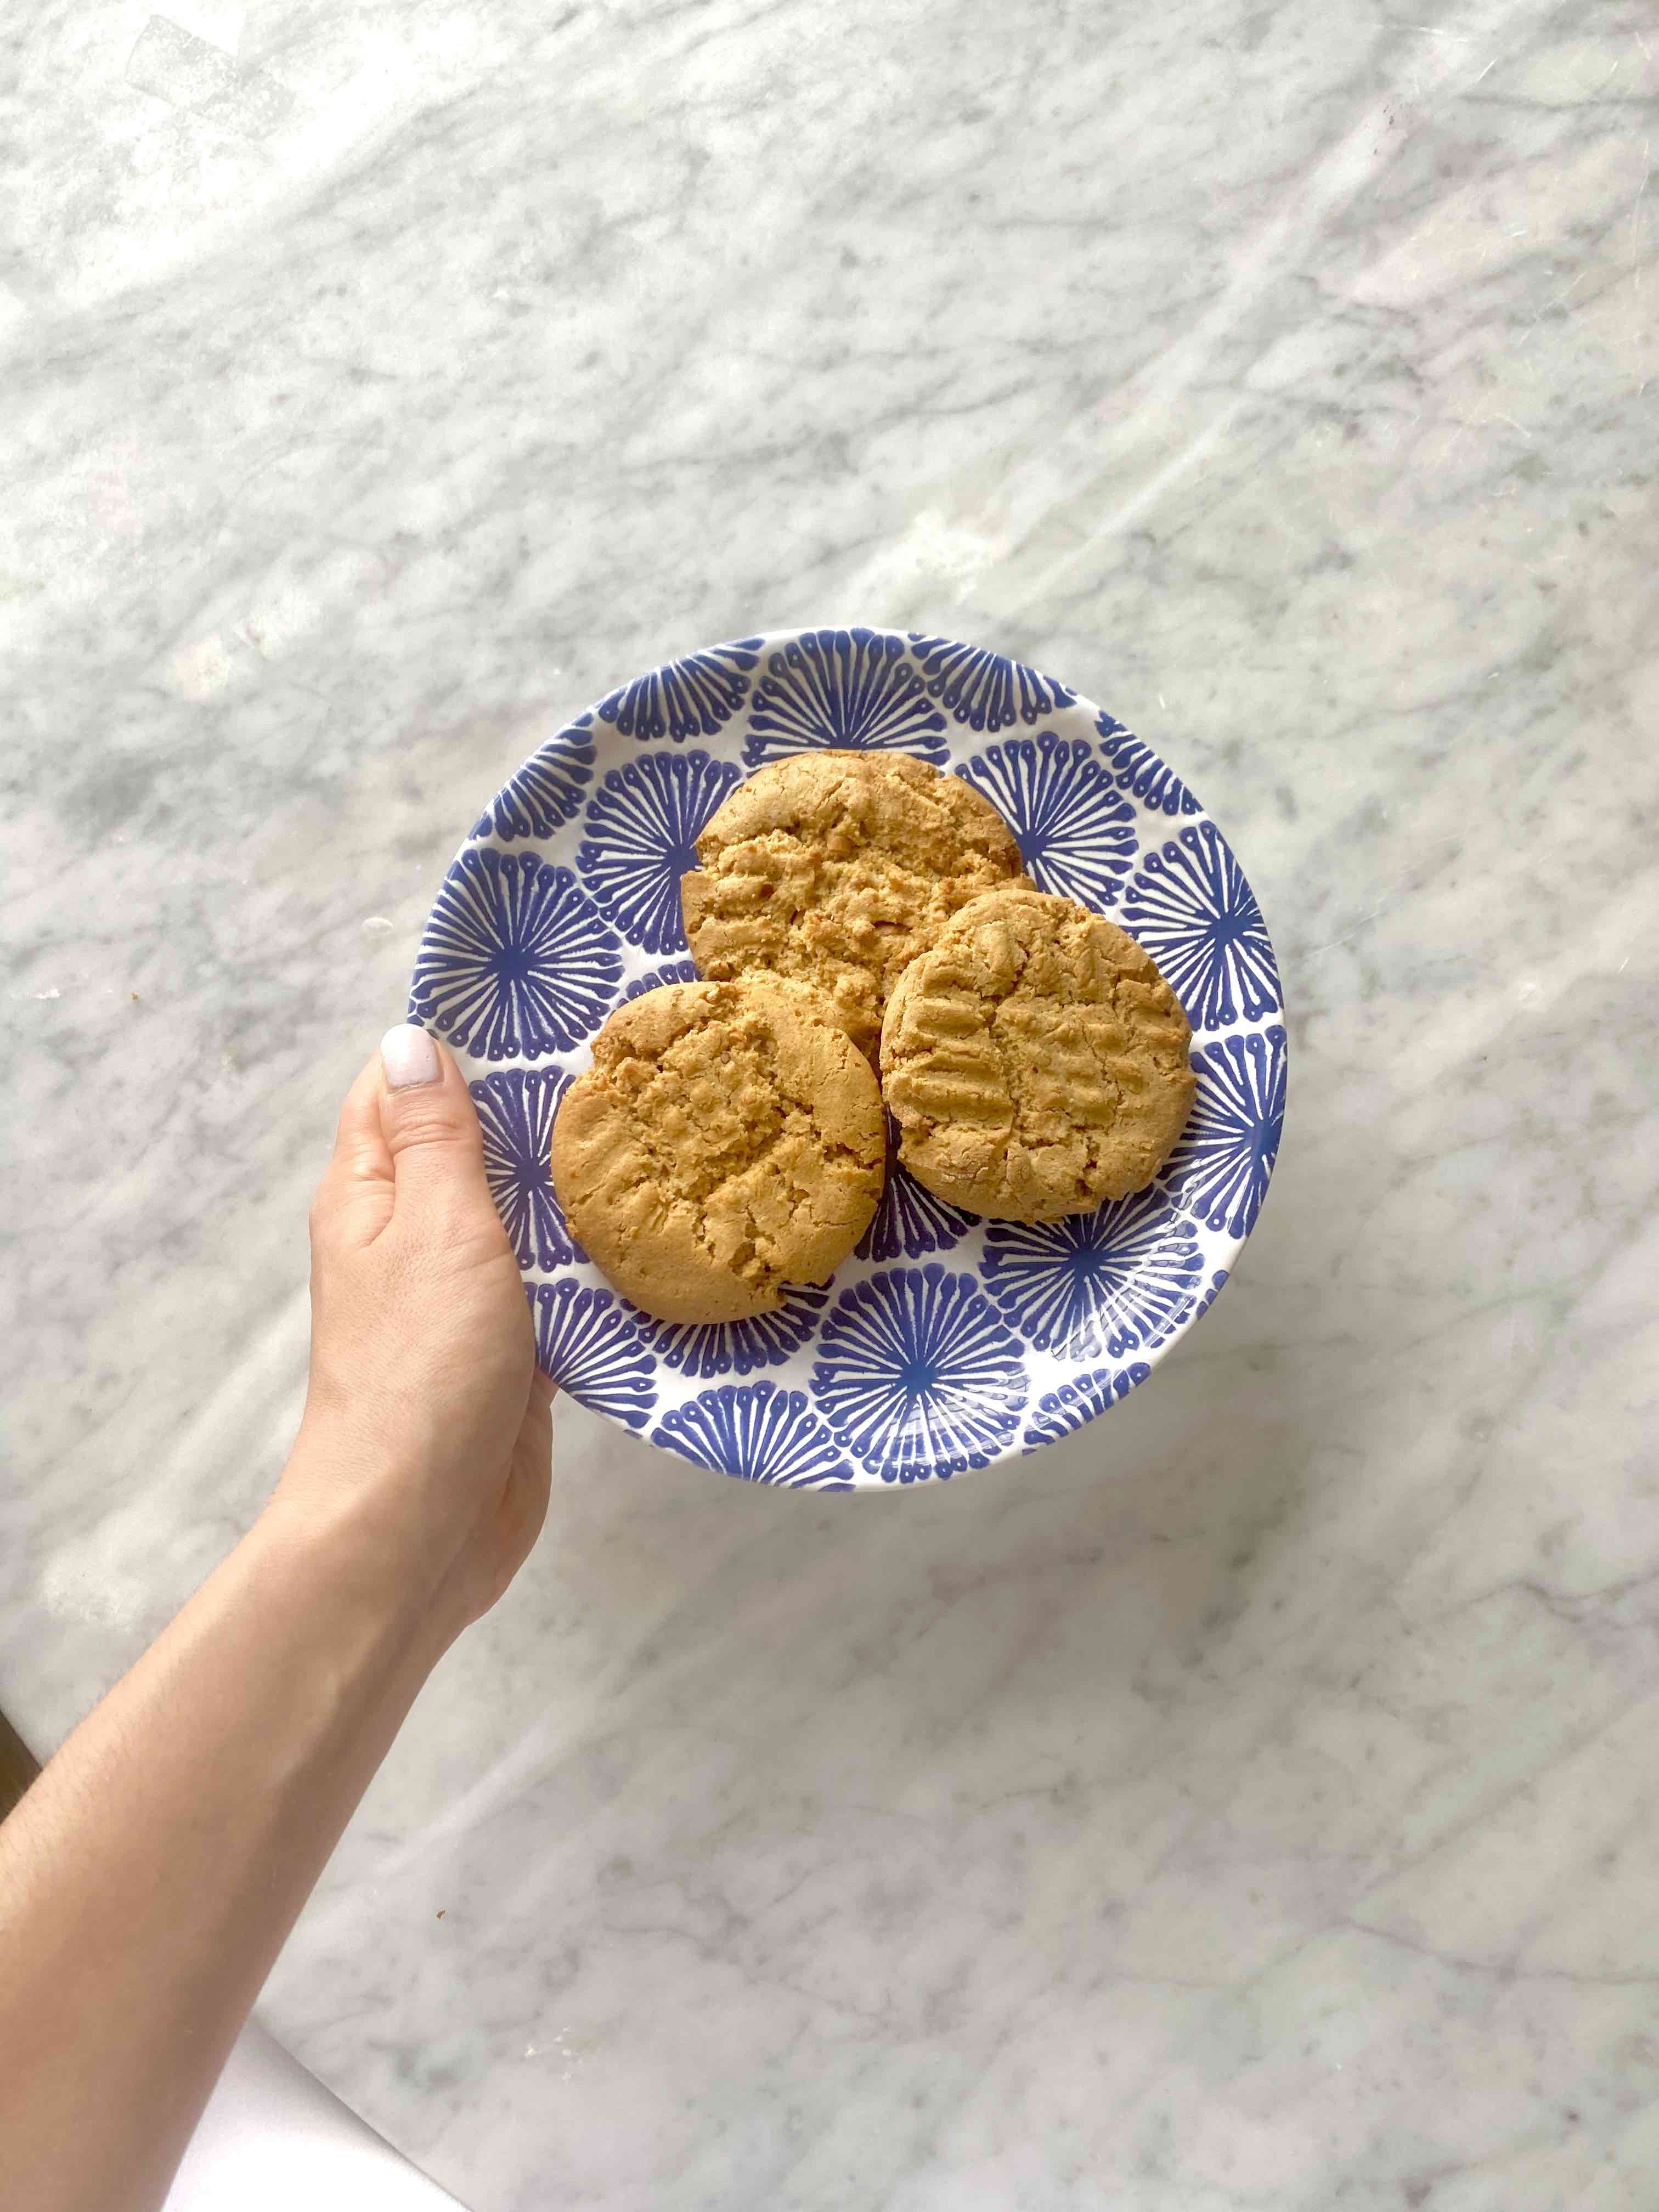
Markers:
(728, 1139)
(1035, 1060)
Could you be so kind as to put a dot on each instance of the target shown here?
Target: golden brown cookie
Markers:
(1034, 1061)
(838, 868)
(727, 1140)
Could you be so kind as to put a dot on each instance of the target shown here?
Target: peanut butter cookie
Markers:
(838, 868)
(1034, 1061)
(727, 1140)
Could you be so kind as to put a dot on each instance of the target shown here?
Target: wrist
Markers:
(365, 1540)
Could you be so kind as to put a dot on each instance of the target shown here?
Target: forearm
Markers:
(148, 1879)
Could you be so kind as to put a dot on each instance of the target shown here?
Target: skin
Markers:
(149, 1877)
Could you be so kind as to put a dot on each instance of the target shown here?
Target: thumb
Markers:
(431, 1129)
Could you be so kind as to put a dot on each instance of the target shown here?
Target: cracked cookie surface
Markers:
(727, 1140)
(836, 869)
(1034, 1061)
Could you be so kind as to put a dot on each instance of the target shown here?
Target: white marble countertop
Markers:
(1250, 1801)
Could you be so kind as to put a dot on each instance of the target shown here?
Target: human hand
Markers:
(233, 1752)
(428, 1432)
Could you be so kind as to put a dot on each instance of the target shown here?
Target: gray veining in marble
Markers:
(1251, 1801)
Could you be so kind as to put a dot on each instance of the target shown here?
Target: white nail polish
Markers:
(408, 1056)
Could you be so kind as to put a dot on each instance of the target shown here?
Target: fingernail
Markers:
(408, 1056)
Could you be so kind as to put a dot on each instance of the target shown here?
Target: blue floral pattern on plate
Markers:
(1110, 1281)
(917, 1375)
(1218, 1284)
(1220, 1169)
(516, 1108)
(1137, 770)
(587, 1344)
(640, 837)
(986, 690)
(1060, 1411)
(516, 961)
(758, 1433)
(1191, 908)
(547, 790)
(946, 1342)
(858, 690)
(695, 697)
(1076, 830)
(737, 1347)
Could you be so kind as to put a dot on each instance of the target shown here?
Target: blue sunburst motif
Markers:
(547, 790)
(853, 688)
(589, 1346)
(985, 689)
(670, 971)
(1220, 1169)
(1063, 1411)
(759, 1432)
(909, 1221)
(1076, 830)
(1137, 768)
(516, 1108)
(691, 698)
(1096, 1282)
(515, 960)
(917, 1375)
(1191, 908)
(640, 837)
(1218, 1283)
(737, 1347)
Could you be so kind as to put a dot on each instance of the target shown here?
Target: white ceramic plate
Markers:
(947, 1342)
